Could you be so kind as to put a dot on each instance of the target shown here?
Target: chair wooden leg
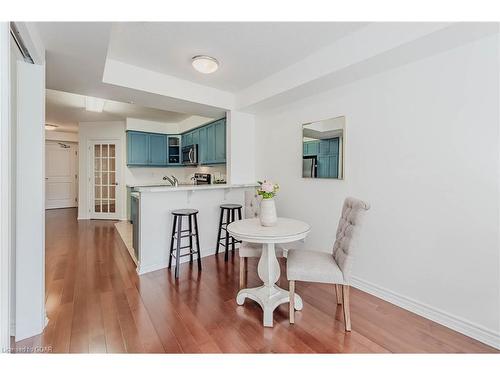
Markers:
(243, 272)
(347, 312)
(338, 292)
(292, 301)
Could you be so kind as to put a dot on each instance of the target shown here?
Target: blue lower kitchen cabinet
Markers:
(157, 149)
(137, 148)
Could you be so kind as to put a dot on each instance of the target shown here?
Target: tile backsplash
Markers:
(183, 174)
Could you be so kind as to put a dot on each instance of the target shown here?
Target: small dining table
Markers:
(269, 295)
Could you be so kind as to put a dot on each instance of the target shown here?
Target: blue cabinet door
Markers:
(324, 147)
(334, 146)
(202, 145)
(137, 148)
(333, 166)
(323, 166)
(195, 137)
(220, 141)
(157, 149)
(210, 144)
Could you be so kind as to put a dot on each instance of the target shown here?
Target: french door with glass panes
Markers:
(104, 180)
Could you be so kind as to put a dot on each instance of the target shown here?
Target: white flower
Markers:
(267, 187)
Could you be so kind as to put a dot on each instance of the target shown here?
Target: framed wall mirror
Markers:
(323, 144)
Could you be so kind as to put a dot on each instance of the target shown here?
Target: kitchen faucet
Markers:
(173, 181)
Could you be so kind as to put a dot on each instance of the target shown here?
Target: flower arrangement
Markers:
(267, 189)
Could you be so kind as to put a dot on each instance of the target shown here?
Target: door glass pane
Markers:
(105, 178)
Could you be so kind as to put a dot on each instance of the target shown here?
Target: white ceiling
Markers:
(66, 110)
(263, 65)
(76, 54)
(75, 57)
(247, 51)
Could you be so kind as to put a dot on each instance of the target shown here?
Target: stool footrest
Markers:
(186, 236)
(185, 255)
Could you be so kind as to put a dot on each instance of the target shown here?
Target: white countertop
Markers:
(160, 188)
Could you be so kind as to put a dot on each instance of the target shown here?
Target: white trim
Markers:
(456, 323)
(5, 211)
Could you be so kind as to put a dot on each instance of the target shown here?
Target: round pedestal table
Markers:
(268, 296)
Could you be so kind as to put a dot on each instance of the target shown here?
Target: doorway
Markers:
(61, 175)
(104, 180)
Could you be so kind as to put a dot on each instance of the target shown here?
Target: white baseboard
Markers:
(458, 324)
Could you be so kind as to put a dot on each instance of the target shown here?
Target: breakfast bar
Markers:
(154, 222)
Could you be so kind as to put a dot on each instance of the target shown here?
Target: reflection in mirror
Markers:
(323, 148)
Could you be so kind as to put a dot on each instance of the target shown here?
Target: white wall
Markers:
(422, 146)
(52, 135)
(240, 145)
(193, 122)
(151, 126)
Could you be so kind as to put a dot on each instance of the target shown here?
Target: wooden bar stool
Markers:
(229, 210)
(177, 236)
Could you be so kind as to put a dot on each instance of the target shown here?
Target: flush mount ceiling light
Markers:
(50, 127)
(94, 104)
(205, 64)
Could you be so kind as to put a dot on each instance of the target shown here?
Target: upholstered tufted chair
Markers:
(331, 268)
(248, 249)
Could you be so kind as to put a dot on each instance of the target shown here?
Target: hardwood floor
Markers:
(97, 303)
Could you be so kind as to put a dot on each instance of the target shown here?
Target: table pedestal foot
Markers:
(268, 297)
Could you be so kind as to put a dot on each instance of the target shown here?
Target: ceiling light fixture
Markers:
(205, 64)
(50, 127)
(94, 104)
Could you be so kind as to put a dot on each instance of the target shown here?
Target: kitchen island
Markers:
(154, 219)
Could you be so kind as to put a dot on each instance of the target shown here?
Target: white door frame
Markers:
(118, 178)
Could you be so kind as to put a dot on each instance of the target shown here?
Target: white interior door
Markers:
(61, 175)
(104, 180)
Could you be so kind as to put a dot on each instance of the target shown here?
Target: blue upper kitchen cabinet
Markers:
(220, 141)
(174, 150)
(202, 145)
(210, 144)
(137, 148)
(195, 136)
(157, 149)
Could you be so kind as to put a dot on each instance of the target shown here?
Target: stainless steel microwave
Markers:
(190, 155)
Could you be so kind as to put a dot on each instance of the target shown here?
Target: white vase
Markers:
(268, 216)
